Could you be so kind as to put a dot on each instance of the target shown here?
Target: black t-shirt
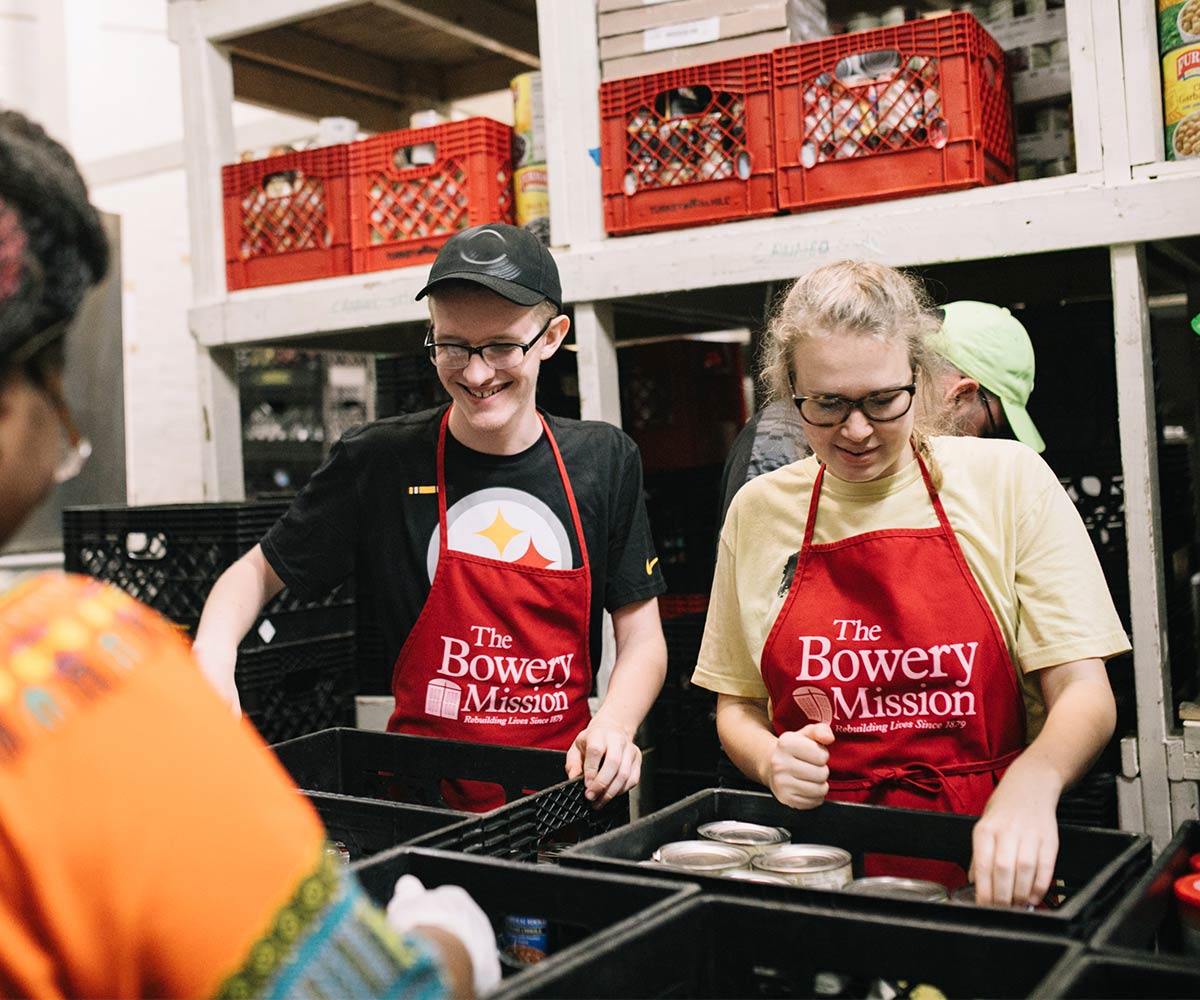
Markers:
(372, 511)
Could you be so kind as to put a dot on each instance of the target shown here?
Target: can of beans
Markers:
(524, 940)
(753, 838)
(898, 888)
(1179, 46)
(815, 866)
(703, 856)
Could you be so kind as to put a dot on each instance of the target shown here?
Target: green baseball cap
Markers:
(989, 344)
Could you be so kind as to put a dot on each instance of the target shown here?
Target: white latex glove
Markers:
(450, 908)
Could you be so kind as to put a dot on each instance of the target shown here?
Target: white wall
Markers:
(103, 77)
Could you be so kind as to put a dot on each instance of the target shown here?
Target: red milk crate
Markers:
(688, 146)
(401, 213)
(921, 107)
(287, 218)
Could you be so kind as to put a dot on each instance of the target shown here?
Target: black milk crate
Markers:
(543, 810)
(368, 827)
(1095, 866)
(718, 946)
(579, 907)
(168, 556)
(1112, 977)
(290, 689)
(1145, 923)
(406, 383)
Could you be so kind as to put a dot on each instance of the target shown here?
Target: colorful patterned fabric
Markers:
(149, 843)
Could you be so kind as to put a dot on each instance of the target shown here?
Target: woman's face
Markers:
(853, 365)
(31, 445)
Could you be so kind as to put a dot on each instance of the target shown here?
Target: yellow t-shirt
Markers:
(1020, 534)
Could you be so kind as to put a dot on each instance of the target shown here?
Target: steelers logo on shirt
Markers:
(508, 525)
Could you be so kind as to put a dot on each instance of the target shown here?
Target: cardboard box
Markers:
(691, 55)
(604, 6)
(657, 15)
(694, 33)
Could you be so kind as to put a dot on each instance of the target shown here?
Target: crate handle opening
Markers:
(874, 64)
(419, 154)
(679, 102)
(991, 72)
(282, 184)
(141, 546)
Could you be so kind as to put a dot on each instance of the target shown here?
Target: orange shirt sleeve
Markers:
(147, 838)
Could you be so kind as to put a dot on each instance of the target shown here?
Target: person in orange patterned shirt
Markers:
(150, 844)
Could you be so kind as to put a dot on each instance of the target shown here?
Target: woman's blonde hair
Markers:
(859, 298)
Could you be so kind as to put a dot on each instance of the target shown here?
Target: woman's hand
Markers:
(798, 774)
(1015, 842)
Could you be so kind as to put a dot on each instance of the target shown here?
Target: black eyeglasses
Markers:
(993, 430)
(878, 407)
(455, 357)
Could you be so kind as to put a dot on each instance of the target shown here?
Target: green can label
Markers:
(1178, 24)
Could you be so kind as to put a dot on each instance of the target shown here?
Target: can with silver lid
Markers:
(898, 888)
(964, 894)
(753, 838)
(815, 866)
(750, 875)
(704, 856)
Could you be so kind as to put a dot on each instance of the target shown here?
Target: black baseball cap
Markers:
(511, 261)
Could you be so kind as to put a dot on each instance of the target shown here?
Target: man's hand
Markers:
(607, 757)
(217, 663)
(798, 769)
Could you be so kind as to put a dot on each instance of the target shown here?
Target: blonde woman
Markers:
(905, 619)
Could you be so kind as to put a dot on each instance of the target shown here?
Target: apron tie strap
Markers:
(924, 777)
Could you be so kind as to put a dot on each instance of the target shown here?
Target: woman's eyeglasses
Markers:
(878, 407)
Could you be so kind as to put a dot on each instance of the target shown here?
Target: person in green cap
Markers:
(982, 380)
(986, 375)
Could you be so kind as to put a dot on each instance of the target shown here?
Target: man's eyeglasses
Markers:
(993, 430)
(878, 407)
(454, 357)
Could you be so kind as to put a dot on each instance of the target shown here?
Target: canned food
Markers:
(336, 849)
(1178, 24)
(898, 888)
(750, 875)
(753, 838)
(707, 856)
(964, 894)
(524, 941)
(1181, 101)
(816, 866)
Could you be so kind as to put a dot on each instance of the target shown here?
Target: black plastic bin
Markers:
(716, 946)
(542, 813)
(1097, 866)
(290, 689)
(1112, 977)
(579, 908)
(368, 827)
(1146, 922)
(169, 556)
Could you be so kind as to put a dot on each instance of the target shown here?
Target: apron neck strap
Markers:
(938, 509)
(443, 529)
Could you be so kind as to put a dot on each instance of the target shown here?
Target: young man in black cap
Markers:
(492, 537)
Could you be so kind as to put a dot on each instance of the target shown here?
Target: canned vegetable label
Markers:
(1181, 101)
(1178, 24)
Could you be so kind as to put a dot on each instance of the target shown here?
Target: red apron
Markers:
(887, 637)
(499, 652)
